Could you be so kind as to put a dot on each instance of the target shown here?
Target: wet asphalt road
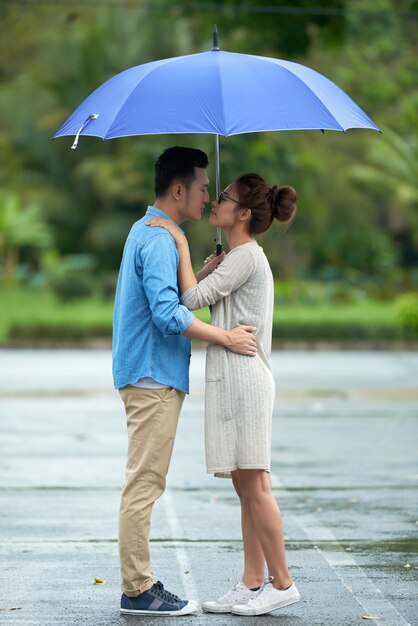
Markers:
(345, 470)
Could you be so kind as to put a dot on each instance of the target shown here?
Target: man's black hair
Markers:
(177, 164)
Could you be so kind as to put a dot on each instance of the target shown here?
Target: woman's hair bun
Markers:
(283, 202)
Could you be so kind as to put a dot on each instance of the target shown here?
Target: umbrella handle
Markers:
(88, 119)
(218, 239)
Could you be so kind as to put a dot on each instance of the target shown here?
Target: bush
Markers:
(108, 283)
(286, 331)
(45, 331)
(72, 285)
(406, 307)
(310, 292)
(371, 253)
(71, 277)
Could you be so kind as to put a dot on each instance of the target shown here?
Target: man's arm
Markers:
(240, 340)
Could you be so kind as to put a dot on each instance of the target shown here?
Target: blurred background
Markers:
(348, 267)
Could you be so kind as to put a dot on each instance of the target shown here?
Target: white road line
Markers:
(368, 596)
(189, 584)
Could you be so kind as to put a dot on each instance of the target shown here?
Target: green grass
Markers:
(37, 314)
(29, 313)
(366, 312)
(360, 320)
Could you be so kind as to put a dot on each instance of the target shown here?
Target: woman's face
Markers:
(224, 213)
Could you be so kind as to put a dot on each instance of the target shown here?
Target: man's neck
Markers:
(168, 209)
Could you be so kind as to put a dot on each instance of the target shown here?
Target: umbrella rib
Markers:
(222, 95)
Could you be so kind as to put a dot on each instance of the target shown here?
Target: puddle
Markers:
(407, 394)
(406, 546)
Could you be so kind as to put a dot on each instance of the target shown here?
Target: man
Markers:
(151, 354)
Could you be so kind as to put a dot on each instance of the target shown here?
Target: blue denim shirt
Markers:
(148, 319)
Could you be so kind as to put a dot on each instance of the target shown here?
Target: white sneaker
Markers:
(238, 595)
(267, 599)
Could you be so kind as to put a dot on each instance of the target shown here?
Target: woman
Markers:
(240, 390)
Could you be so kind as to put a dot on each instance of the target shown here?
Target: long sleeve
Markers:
(159, 262)
(233, 272)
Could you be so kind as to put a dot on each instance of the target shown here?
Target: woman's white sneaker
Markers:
(238, 595)
(267, 599)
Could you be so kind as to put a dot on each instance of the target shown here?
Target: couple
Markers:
(153, 327)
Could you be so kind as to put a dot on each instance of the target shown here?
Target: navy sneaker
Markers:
(156, 601)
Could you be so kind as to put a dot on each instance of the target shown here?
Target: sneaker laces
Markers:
(256, 599)
(163, 594)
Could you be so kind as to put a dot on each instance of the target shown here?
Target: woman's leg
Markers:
(255, 490)
(254, 560)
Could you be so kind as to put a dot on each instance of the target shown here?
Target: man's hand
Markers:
(242, 340)
(211, 263)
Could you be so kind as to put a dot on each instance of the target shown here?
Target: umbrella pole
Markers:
(218, 189)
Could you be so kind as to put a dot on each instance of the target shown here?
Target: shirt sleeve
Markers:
(233, 272)
(159, 261)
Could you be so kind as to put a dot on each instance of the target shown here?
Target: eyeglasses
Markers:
(224, 196)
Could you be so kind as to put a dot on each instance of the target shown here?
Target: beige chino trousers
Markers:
(152, 416)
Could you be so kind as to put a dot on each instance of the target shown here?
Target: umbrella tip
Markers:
(215, 38)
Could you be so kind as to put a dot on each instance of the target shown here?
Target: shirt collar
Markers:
(152, 210)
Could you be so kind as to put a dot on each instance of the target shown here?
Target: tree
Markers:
(53, 56)
(392, 172)
(20, 226)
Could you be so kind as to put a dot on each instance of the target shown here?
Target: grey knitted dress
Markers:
(240, 390)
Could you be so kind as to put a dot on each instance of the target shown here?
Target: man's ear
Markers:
(177, 191)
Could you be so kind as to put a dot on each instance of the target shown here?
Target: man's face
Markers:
(197, 196)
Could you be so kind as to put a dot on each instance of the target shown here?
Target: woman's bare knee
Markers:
(254, 483)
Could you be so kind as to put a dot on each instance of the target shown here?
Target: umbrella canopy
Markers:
(215, 92)
(221, 93)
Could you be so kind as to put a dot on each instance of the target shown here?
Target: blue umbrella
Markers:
(215, 92)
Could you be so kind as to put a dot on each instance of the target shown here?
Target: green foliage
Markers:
(317, 293)
(70, 277)
(357, 321)
(392, 172)
(406, 307)
(72, 286)
(58, 331)
(271, 28)
(37, 314)
(108, 282)
(20, 226)
(357, 195)
(367, 253)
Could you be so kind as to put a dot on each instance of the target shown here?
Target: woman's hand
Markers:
(211, 263)
(212, 258)
(169, 225)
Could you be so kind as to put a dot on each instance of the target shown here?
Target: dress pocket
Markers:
(216, 363)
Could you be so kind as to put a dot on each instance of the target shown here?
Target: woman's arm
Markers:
(233, 272)
(211, 263)
(229, 275)
(186, 276)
